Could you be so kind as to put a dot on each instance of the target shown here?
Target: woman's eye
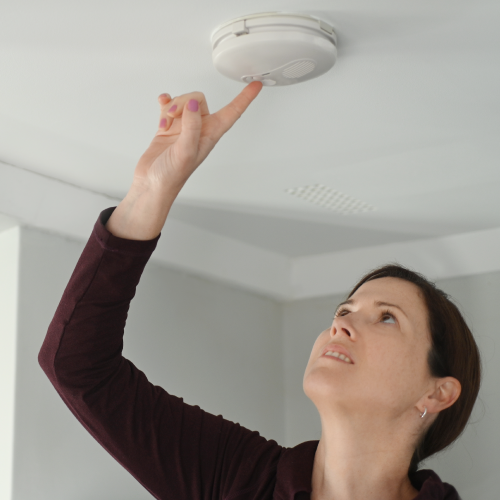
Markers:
(388, 317)
(342, 312)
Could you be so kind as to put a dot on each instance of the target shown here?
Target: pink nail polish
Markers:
(163, 122)
(173, 108)
(193, 105)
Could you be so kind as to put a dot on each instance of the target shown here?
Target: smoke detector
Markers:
(275, 48)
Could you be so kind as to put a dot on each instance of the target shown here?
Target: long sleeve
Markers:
(175, 450)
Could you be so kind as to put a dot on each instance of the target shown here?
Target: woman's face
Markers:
(384, 328)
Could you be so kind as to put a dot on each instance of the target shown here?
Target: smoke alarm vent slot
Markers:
(298, 69)
(330, 199)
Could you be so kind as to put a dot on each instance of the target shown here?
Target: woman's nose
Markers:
(339, 328)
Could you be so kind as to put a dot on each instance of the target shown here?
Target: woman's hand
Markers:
(185, 138)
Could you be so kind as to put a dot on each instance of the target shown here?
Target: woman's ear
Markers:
(446, 392)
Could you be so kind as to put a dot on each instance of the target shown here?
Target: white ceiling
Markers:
(407, 120)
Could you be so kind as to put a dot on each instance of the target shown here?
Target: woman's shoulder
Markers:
(431, 487)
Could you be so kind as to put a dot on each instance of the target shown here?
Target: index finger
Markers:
(228, 115)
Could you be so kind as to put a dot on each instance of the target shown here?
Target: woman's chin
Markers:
(318, 384)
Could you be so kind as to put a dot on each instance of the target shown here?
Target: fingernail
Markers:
(163, 122)
(173, 108)
(193, 105)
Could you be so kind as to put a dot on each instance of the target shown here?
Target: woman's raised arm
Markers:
(175, 450)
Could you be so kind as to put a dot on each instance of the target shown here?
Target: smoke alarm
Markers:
(275, 48)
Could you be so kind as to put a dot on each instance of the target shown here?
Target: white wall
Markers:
(9, 264)
(472, 464)
(215, 346)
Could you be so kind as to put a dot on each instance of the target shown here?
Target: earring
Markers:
(422, 415)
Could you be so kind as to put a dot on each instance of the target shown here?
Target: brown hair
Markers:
(453, 353)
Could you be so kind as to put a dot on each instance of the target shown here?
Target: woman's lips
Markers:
(337, 359)
(339, 349)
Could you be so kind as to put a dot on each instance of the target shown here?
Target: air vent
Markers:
(330, 199)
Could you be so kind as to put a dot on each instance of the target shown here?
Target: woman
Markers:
(405, 390)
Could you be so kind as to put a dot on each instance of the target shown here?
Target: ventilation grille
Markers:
(330, 199)
(298, 69)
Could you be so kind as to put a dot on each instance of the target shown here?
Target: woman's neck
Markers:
(360, 468)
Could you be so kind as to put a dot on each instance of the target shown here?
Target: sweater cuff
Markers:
(113, 243)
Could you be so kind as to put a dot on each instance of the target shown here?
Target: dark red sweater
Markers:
(175, 450)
